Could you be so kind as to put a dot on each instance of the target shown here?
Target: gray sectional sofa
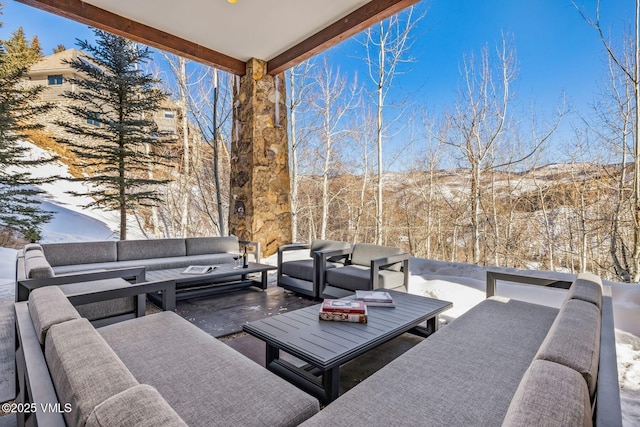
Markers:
(157, 370)
(48, 260)
(93, 263)
(504, 362)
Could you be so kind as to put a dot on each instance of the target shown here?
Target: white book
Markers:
(199, 269)
(374, 296)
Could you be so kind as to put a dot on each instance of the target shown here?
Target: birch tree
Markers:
(387, 48)
(299, 88)
(625, 88)
(333, 101)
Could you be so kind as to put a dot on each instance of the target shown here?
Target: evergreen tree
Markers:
(25, 52)
(114, 134)
(20, 209)
(59, 48)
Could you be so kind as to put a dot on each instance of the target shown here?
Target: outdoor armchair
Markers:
(369, 267)
(300, 275)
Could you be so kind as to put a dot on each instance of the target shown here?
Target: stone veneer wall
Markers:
(259, 202)
(59, 112)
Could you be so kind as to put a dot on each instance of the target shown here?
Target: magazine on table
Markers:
(199, 269)
(375, 298)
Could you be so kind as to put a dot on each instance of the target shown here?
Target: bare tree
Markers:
(626, 257)
(298, 95)
(480, 120)
(333, 102)
(387, 45)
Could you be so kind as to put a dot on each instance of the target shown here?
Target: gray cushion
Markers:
(80, 252)
(84, 369)
(47, 307)
(364, 253)
(574, 340)
(140, 406)
(550, 395)
(443, 381)
(150, 264)
(587, 287)
(142, 249)
(36, 265)
(323, 245)
(211, 245)
(302, 269)
(205, 381)
(31, 246)
(354, 277)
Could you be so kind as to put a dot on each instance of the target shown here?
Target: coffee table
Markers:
(223, 279)
(325, 345)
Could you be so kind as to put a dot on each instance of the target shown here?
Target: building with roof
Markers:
(56, 74)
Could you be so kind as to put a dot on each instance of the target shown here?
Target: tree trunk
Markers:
(294, 157)
(216, 157)
(635, 274)
(475, 211)
(381, 83)
(186, 173)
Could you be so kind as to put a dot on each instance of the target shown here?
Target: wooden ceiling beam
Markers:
(357, 21)
(121, 26)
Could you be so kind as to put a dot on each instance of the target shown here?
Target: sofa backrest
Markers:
(139, 405)
(72, 253)
(561, 382)
(49, 306)
(549, 394)
(364, 253)
(211, 245)
(84, 369)
(145, 249)
(36, 266)
(323, 245)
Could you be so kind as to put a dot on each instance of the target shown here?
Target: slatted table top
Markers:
(326, 344)
(220, 271)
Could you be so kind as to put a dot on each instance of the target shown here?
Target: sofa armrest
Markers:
(34, 381)
(493, 276)
(256, 248)
(378, 263)
(608, 411)
(285, 248)
(140, 290)
(294, 247)
(320, 264)
(25, 286)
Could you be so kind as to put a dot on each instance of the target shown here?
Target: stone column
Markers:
(260, 204)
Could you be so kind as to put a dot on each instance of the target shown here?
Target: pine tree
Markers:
(59, 48)
(20, 209)
(113, 133)
(25, 52)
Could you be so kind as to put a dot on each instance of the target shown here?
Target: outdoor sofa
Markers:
(301, 275)
(504, 362)
(66, 264)
(368, 267)
(156, 370)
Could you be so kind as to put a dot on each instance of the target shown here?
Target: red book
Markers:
(343, 306)
(343, 317)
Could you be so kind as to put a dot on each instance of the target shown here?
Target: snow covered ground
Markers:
(462, 284)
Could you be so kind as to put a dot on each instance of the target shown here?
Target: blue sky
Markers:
(556, 50)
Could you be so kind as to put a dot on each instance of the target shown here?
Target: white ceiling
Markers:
(248, 29)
